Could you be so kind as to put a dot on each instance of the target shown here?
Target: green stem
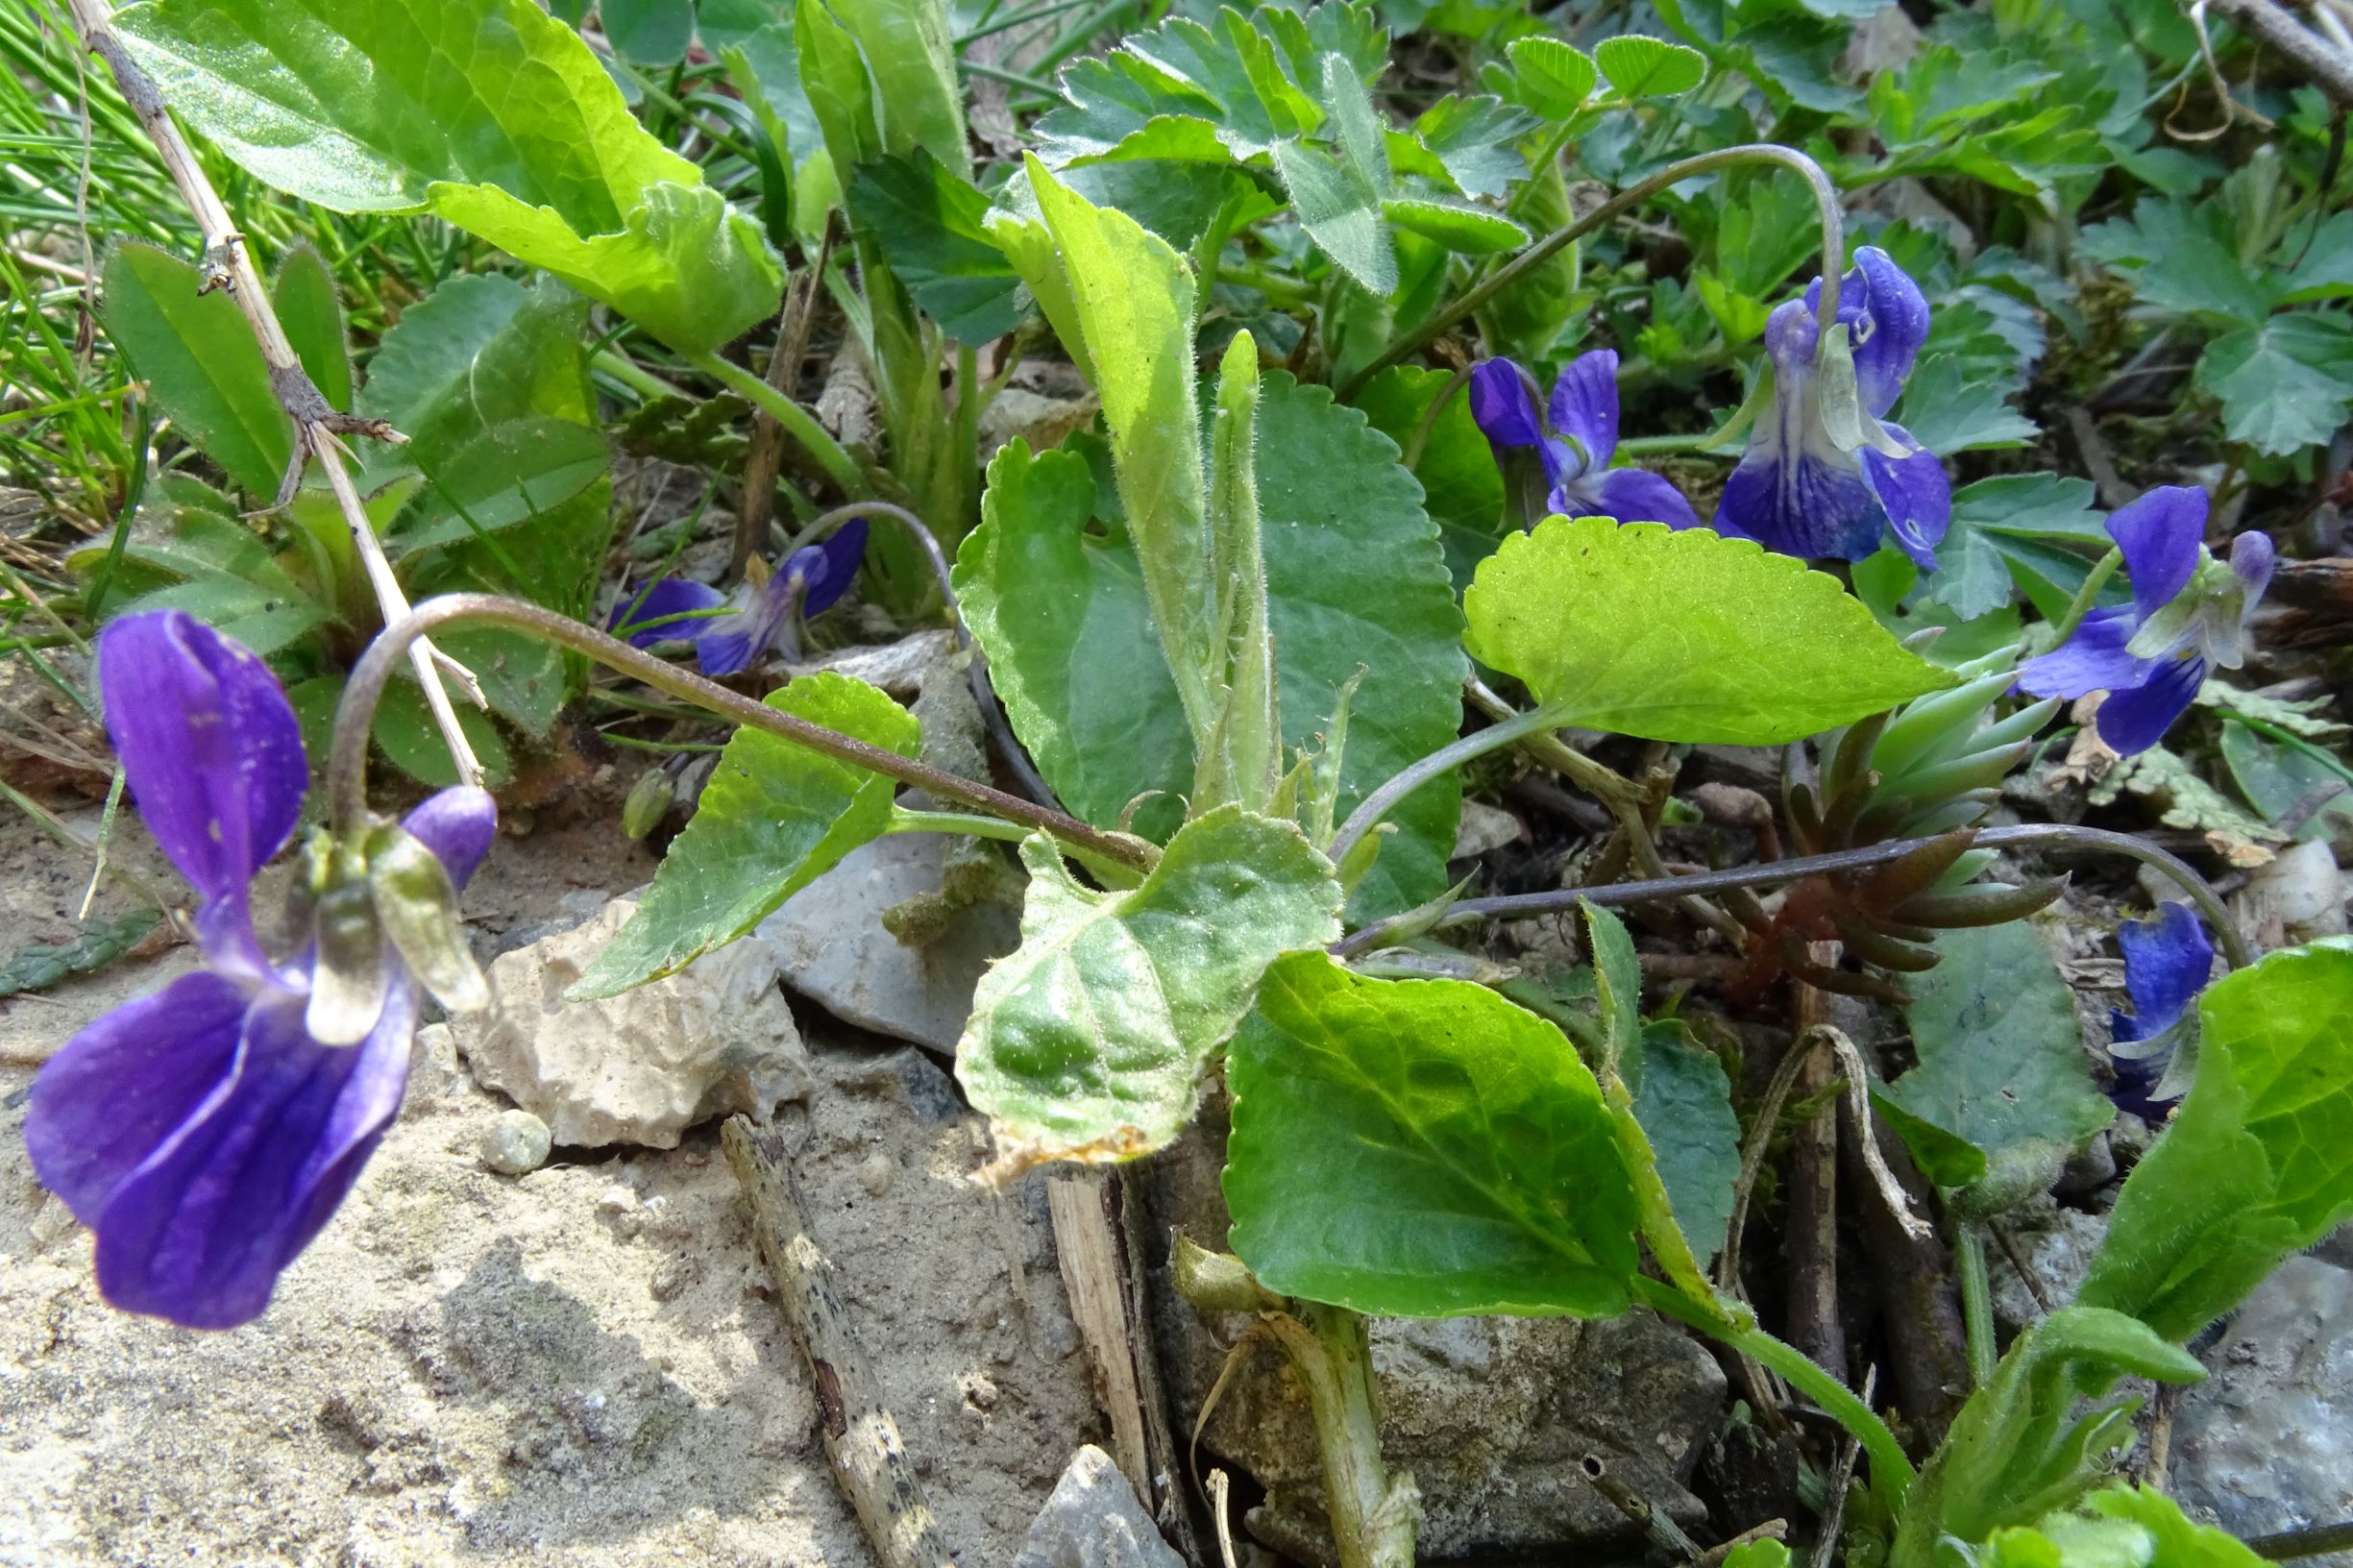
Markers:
(971, 823)
(346, 764)
(2081, 605)
(1891, 1473)
(632, 375)
(1013, 79)
(1374, 1517)
(1976, 1300)
(1660, 446)
(799, 422)
(1826, 202)
(1377, 804)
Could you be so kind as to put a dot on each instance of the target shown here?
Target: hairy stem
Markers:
(798, 422)
(1374, 1517)
(347, 765)
(1826, 202)
(1976, 1300)
(2030, 836)
(1891, 1473)
(228, 266)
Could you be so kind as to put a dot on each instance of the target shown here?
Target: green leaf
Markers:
(476, 353)
(488, 114)
(931, 226)
(2181, 261)
(2258, 1162)
(2001, 1064)
(304, 295)
(1087, 1042)
(1683, 1101)
(2120, 1526)
(1468, 142)
(2275, 777)
(1355, 579)
(1232, 83)
(2326, 270)
(2017, 1451)
(647, 32)
(1340, 212)
(200, 362)
(917, 92)
(511, 473)
(1948, 414)
(2285, 385)
(1554, 78)
(42, 965)
(1758, 1553)
(775, 817)
(225, 576)
(1458, 226)
(1421, 1148)
(1683, 636)
(1463, 488)
(2038, 531)
(410, 741)
(1644, 68)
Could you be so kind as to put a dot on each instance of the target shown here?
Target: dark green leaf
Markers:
(1087, 1042)
(1458, 226)
(2001, 1064)
(44, 963)
(647, 32)
(304, 295)
(2285, 385)
(200, 362)
(1421, 1148)
(511, 473)
(929, 222)
(1472, 140)
(1683, 1101)
(1463, 488)
(1948, 413)
(2183, 263)
(2275, 777)
(411, 742)
(477, 352)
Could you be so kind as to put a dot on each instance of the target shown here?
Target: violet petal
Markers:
(632, 617)
(2135, 718)
(836, 567)
(457, 826)
(1504, 404)
(1584, 406)
(2168, 960)
(1916, 494)
(2160, 535)
(201, 1231)
(122, 1087)
(1636, 494)
(2093, 659)
(1891, 327)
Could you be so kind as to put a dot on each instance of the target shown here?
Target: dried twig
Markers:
(1811, 1239)
(317, 425)
(869, 1463)
(1834, 1490)
(765, 459)
(2329, 68)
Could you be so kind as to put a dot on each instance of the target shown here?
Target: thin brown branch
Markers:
(229, 266)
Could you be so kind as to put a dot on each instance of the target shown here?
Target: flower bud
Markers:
(417, 908)
(648, 801)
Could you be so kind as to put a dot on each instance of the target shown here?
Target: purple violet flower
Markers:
(1576, 443)
(204, 1132)
(2189, 611)
(2167, 961)
(1824, 472)
(758, 616)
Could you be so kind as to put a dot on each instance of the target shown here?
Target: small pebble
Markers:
(876, 1172)
(514, 1143)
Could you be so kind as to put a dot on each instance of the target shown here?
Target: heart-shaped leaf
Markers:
(1683, 636)
(1555, 78)
(1646, 67)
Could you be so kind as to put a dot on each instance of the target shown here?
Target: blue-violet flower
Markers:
(2168, 960)
(2189, 611)
(757, 616)
(1824, 472)
(204, 1132)
(1575, 443)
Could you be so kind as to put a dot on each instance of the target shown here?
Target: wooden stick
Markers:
(1814, 1325)
(2330, 69)
(870, 1462)
(317, 425)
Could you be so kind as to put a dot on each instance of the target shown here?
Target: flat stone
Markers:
(2267, 1440)
(1094, 1520)
(829, 943)
(643, 1067)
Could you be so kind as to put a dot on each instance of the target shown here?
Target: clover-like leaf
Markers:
(775, 817)
(489, 114)
(1683, 636)
(1646, 67)
(2259, 1160)
(1422, 1148)
(1555, 78)
(1088, 1041)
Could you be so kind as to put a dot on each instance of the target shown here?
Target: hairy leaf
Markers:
(1683, 636)
(930, 223)
(775, 817)
(1555, 78)
(1422, 1148)
(1644, 68)
(1089, 1040)
(2259, 1160)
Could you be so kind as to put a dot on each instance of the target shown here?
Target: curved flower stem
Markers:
(2081, 605)
(1826, 202)
(799, 422)
(2028, 836)
(1377, 804)
(1891, 1472)
(347, 765)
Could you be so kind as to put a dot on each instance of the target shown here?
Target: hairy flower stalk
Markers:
(207, 1132)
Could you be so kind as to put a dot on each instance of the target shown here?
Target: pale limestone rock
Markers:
(643, 1067)
(1094, 1520)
